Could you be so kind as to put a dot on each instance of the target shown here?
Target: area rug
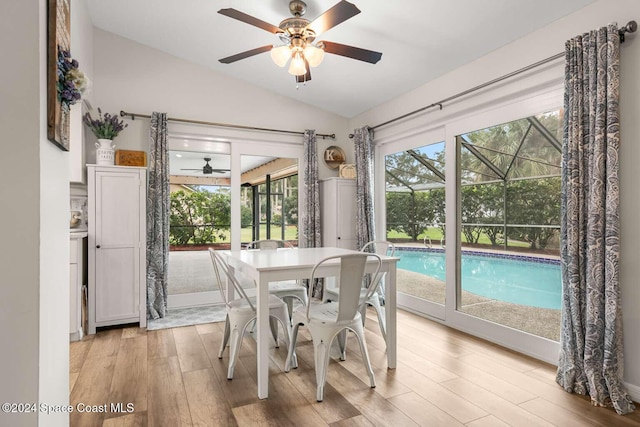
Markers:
(177, 317)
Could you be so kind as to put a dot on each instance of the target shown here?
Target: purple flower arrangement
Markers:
(71, 82)
(106, 126)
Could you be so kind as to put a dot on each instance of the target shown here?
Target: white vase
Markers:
(104, 152)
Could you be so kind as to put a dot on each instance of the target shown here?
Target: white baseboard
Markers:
(193, 299)
(634, 391)
(197, 299)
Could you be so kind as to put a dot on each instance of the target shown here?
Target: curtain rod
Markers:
(226, 125)
(631, 27)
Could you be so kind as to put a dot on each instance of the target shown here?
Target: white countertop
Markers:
(78, 234)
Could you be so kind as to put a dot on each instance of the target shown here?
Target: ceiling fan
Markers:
(298, 35)
(207, 169)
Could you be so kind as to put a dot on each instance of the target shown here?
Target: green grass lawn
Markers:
(435, 234)
(290, 233)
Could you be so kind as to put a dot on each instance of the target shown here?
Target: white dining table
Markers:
(284, 264)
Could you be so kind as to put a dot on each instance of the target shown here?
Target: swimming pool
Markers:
(511, 278)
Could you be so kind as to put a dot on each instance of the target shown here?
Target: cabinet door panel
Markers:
(346, 215)
(118, 223)
(117, 294)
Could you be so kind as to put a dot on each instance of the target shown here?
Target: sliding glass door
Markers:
(200, 217)
(510, 221)
(473, 206)
(269, 199)
(415, 222)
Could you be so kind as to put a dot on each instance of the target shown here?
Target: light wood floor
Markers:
(173, 377)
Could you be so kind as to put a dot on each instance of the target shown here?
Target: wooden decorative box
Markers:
(131, 158)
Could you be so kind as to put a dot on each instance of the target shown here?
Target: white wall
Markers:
(530, 49)
(135, 78)
(82, 51)
(34, 193)
(19, 292)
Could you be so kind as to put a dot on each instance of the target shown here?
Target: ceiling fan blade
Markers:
(191, 169)
(334, 16)
(303, 78)
(248, 19)
(352, 52)
(247, 54)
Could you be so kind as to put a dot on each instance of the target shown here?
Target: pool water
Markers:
(516, 281)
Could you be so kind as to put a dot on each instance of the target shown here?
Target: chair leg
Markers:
(321, 352)
(289, 302)
(342, 344)
(235, 343)
(225, 338)
(292, 360)
(283, 316)
(359, 331)
(381, 318)
(273, 324)
(363, 313)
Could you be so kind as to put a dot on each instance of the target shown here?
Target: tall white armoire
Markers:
(116, 245)
(338, 212)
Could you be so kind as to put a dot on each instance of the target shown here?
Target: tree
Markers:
(482, 204)
(290, 208)
(420, 201)
(199, 217)
(535, 202)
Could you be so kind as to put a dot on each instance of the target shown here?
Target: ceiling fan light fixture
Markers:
(297, 67)
(280, 55)
(314, 55)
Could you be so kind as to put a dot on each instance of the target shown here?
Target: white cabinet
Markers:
(117, 245)
(338, 201)
(76, 281)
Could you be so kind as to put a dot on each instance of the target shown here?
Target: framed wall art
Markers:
(58, 45)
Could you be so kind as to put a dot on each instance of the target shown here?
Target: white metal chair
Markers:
(286, 289)
(326, 321)
(380, 247)
(241, 312)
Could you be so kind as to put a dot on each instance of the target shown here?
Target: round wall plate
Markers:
(347, 171)
(333, 157)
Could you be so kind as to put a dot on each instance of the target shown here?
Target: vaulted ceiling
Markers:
(419, 40)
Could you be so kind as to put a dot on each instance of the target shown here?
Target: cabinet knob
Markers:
(97, 246)
(338, 238)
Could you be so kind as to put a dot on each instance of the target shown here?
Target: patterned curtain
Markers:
(311, 236)
(363, 141)
(591, 360)
(365, 220)
(158, 218)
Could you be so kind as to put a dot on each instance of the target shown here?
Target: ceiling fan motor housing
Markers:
(295, 29)
(207, 169)
(297, 7)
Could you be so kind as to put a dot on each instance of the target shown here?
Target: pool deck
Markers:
(542, 322)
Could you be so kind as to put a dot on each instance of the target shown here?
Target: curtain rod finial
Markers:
(125, 114)
(631, 27)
